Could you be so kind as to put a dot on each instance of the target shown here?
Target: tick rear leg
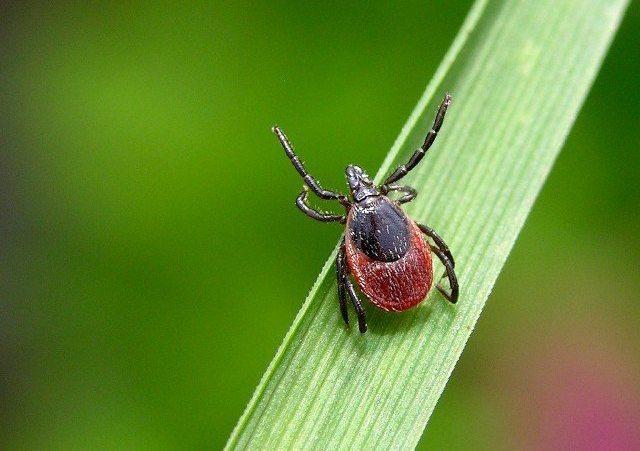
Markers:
(408, 192)
(439, 242)
(341, 273)
(362, 318)
(444, 254)
(453, 280)
(346, 287)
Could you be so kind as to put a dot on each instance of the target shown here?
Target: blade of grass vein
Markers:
(346, 352)
(320, 318)
(286, 374)
(394, 346)
(429, 342)
(328, 407)
(534, 131)
(325, 362)
(412, 431)
(344, 406)
(349, 354)
(406, 426)
(335, 336)
(478, 63)
(356, 361)
(302, 435)
(324, 409)
(410, 343)
(457, 137)
(396, 352)
(393, 343)
(395, 349)
(374, 365)
(472, 185)
(349, 358)
(433, 345)
(339, 347)
(458, 140)
(395, 327)
(399, 346)
(271, 370)
(506, 189)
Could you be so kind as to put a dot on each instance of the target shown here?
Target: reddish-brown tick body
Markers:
(387, 255)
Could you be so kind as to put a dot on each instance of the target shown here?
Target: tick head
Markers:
(360, 184)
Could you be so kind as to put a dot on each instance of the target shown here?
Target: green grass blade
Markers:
(518, 72)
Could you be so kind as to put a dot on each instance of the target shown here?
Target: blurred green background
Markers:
(153, 259)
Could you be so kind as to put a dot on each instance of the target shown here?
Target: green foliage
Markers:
(518, 73)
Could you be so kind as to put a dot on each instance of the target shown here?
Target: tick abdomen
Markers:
(393, 284)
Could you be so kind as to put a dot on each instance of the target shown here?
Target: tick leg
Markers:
(409, 192)
(439, 242)
(404, 169)
(341, 273)
(444, 254)
(309, 180)
(362, 318)
(453, 280)
(345, 286)
(301, 203)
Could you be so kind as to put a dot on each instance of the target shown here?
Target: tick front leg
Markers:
(308, 178)
(404, 169)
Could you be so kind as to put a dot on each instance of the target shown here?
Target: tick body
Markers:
(387, 254)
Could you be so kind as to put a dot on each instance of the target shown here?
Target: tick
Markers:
(382, 248)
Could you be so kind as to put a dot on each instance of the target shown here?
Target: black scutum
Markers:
(379, 229)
